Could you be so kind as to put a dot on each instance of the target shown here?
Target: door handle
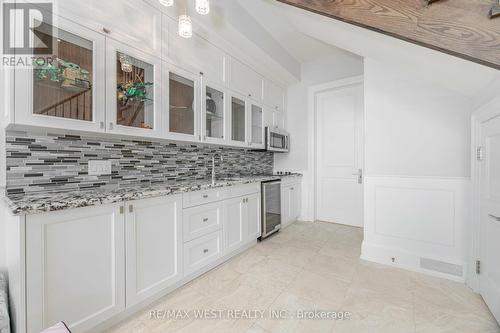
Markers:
(360, 176)
(496, 218)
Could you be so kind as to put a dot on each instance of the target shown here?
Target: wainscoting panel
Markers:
(413, 220)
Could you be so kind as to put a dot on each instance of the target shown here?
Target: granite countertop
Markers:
(39, 202)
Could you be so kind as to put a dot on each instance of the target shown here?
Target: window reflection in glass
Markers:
(62, 83)
(181, 96)
(134, 80)
(238, 119)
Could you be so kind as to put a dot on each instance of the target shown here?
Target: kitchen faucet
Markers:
(213, 166)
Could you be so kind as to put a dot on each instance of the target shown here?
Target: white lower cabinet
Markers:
(85, 266)
(201, 252)
(253, 216)
(202, 220)
(290, 202)
(241, 221)
(75, 267)
(234, 223)
(154, 246)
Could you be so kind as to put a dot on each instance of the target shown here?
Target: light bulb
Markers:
(185, 26)
(202, 7)
(167, 3)
(126, 63)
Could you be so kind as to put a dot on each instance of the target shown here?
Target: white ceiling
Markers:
(300, 46)
(306, 35)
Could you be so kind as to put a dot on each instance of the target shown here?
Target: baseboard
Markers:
(408, 261)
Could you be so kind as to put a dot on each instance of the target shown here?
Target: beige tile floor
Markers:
(316, 266)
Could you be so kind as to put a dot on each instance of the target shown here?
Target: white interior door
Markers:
(490, 216)
(339, 155)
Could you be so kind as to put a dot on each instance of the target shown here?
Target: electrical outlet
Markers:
(97, 168)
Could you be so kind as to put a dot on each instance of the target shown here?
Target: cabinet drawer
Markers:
(202, 220)
(201, 197)
(201, 252)
(290, 181)
(241, 190)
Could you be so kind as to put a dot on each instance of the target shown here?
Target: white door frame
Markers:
(486, 112)
(312, 146)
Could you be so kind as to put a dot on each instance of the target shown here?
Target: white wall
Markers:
(414, 127)
(338, 65)
(417, 163)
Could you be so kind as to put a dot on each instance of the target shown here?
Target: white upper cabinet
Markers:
(182, 104)
(133, 91)
(245, 80)
(124, 69)
(196, 54)
(132, 22)
(274, 96)
(214, 113)
(68, 92)
(239, 120)
(279, 119)
(256, 126)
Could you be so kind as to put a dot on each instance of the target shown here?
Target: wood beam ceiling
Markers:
(462, 28)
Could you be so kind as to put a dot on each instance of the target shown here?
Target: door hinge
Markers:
(478, 266)
(479, 153)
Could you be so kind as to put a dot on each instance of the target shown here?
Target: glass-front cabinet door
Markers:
(213, 114)
(63, 83)
(256, 126)
(133, 91)
(182, 98)
(238, 120)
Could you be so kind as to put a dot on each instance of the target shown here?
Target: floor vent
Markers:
(442, 267)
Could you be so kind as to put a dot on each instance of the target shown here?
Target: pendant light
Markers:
(185, 26)
(202, 7)
(167, 3)
(126, 63)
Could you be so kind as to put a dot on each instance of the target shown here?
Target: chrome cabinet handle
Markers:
(496, 218)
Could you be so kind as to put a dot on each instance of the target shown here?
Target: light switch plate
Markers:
(98, 168)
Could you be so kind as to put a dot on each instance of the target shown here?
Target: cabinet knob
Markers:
(106, 30)
(293, 188)
(205, 251)
(131, 209)
(205, 196)
(205, 219)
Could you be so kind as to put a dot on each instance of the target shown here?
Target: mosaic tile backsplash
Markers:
(45, 161)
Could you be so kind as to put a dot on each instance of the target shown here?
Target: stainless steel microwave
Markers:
(277, 140)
